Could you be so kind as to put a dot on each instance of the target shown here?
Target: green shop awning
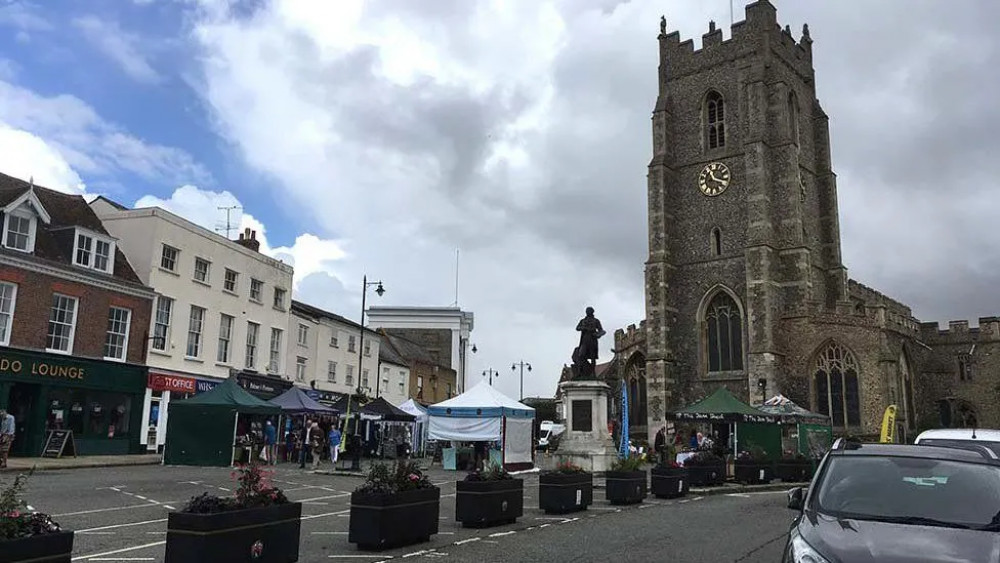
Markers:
(721, 406)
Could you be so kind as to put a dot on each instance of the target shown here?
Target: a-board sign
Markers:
(59, 443)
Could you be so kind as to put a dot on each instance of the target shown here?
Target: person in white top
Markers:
(6, 435)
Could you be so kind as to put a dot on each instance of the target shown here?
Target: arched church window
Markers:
(836, 385)
(725, 334)
(635, 379)
(965, 416)
(715, 120)
(716, 242)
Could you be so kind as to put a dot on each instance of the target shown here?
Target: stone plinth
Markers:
(586, 442)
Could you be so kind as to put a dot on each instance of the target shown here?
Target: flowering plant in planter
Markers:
(492, 472)
(16, 521)
(564, 468)
(404, 476)
(254, 491)
(396, 505)
(633, 463)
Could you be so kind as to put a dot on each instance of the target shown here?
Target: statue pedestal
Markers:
(586, 442)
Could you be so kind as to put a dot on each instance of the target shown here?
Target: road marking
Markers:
(123, 559)
(449, 495)
(129, 507)
(117, 551)
(329, 533)
(359, 556)
(501, 534)
(421, 552)
(168, 507)
(470, 540)
(328, 497)
(121, 526)
(695, 499)
(548, 518)
(446, 533)
(96, 533)
(140, 497)
(326, 514)
(740, 495)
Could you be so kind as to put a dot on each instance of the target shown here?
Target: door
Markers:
(21, 403)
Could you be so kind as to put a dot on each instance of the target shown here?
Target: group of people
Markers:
(696, 441)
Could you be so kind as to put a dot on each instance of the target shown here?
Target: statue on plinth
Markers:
(585, 355)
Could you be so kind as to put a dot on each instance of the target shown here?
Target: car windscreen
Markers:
(953, 443)
(897, 488)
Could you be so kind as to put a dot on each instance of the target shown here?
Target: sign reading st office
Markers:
(11, 366)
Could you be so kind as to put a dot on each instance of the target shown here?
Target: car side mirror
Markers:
(796, 497)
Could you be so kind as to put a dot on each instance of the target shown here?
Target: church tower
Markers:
(744, 235)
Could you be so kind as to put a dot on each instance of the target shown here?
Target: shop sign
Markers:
(259, 387)
(162, 382)
(203, 385)
(12, 366)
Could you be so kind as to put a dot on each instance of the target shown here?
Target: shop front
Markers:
(264, 387)
(100, 401)
(162, 387)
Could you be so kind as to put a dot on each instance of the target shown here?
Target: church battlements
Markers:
(760, 30)
(630, 336)
(959, 331)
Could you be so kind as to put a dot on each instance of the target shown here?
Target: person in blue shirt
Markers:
(271, 442)
(334, 438)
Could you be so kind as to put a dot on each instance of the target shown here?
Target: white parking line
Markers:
(121, 526)
(117, 551)
(470, 540)
(325, 514)
(112, 509)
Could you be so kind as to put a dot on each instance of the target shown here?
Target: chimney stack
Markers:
(248, 239)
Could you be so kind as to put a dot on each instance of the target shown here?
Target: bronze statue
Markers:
(663, 25)
(585, 355)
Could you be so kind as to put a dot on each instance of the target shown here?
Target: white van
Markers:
(958, 437)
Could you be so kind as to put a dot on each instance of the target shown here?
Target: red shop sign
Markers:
(161, 382)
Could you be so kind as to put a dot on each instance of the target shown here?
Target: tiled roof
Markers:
(389, 354)
(407, 349)
(66, 211)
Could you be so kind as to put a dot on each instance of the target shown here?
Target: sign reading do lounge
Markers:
(40, 369)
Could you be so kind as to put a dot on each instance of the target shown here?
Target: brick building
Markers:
(73, 324)
(430, 382)
(745, 286)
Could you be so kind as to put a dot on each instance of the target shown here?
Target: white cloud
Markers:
(26, 156)
(125, 49)
(90, 145)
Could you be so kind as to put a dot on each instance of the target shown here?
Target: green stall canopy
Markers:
(200, 429)
(721, 406)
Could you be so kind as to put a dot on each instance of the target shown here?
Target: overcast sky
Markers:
(379, 137)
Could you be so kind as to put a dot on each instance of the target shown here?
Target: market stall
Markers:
(803, 431)
(483, 414)
(216, 427)
(419, 440)
(736, 423)
(393, 429)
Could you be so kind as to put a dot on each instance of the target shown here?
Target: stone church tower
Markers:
(745, 285)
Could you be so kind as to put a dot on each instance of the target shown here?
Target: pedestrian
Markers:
(303, 443)
(6, 435)
(334, 439)
(271, 443)
(315, 442)
(660, 444)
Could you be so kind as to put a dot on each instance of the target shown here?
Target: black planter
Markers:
(385, 521)
(793, 471)
(753, 473)
(625, 487)
(481, 504)
(559, 493)
(706, 475)
(669, 482)
(43, 548)
(258, 535)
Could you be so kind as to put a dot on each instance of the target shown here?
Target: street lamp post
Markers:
(522, 364)
(361, 349)
(491, 372)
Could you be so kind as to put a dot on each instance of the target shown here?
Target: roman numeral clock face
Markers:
(714, 179)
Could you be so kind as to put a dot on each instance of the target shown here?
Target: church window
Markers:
(836, 386)
(964, 368)
(635, 381)
(793, 117)
(715, 120)
(725, 334)
(716, 242)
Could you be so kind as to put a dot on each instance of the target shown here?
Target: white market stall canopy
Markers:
(420, 436)
(485, 414)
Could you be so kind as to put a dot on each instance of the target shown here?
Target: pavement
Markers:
(23, 464)
(120, 515)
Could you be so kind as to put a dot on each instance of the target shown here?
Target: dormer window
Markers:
(20, 222)
(94, 251)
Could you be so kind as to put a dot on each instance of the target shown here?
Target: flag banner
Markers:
(623, 447)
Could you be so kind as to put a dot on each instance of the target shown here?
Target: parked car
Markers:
(894, 503)
(548, 435)
(960, 437)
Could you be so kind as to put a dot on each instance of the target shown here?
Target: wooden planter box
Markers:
(625, 487)
(793, 471)
(481, 504)
(43, 548)
(385, 521)
(669, 482)
(753, 473)
(706, 475)
(559, 493)
(258, 535)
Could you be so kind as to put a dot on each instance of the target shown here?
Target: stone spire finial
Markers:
(805, 30)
